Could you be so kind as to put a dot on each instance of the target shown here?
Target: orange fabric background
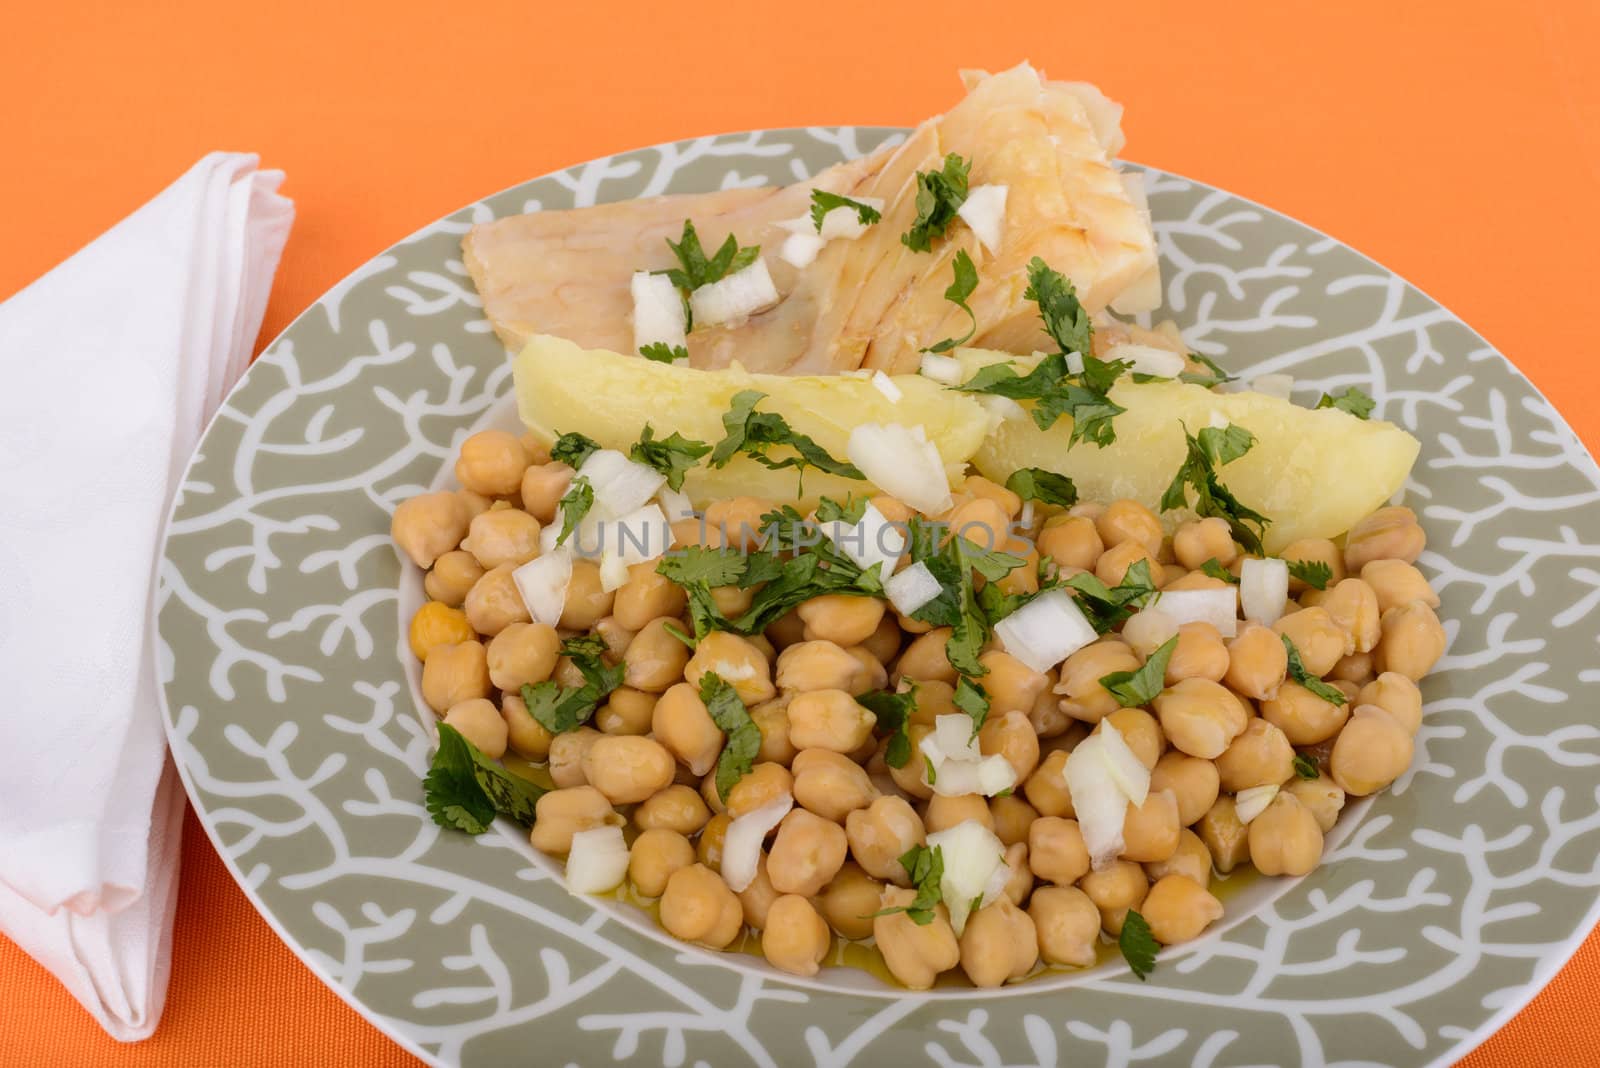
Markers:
(1457, 141)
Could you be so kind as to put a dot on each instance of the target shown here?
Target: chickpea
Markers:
(655, 856)
(815, 665)
(1204, 539)
(587, 602)
(1046, 789)
(567, 751)
(655, 658)
(1397, 695)
(982, 522)
(786, 630)
(502, 536)
(761, 785)
(1285, 839)
(1067, 924)
(795, 938)
(675, 807)
(647, 595)
(494, 603)
(1012, 818)
(914, 953)
(491, 462)
(841, 618)
(737, 521)
(1128, 520)
(479, 722)
(537, 447)
(1257, 662)
(757, 898)
(829, 719)
(627, 768)
(1200, 717)
(1413, 641)
(1353, 606)
(562, 813)
(1141, 731)
(626, 711)
(831, 784)
(543, 486)
(911, 778)
(1314, 551)
(934, 699)
(739, 663)
(1071, 541)
(1012, 686)
(567, 674)
(732, 601)
(1260, 756)
(1056, 851)
(1048, 720)
(849, 900)
(946, 811)
(1024, 579)
(808, 851)
(1321, 796)
(924, 659)
(1193, 783)
(522, 654)
(453, 574)
(697, 906)
(999, 943)
(476, 503)
(870, 675)
(1319, 639)
(455, 673)
(1178, 908)
(1194, 580)
(880, 834)
(1114, 563)
(680, 722)
(427, 527)
(1394, 583)
(1011, 736)
(1225, 838)
(1191, 859)
(525, 736)
(1020, 882)
(1120, 887)
(1085, 698)
(1372, 751)
(1354, 668)
(981, 488)
(1150, 831)
(1199, 654)
(708, 847)
(436, 624)
(1302, 716)
(1387, 534)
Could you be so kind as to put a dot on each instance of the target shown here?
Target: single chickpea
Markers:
(786, 630)
(1115, 890)
(982, 488)
(946, 811)
(1141, 731)
(1199, 654)
(627, 768)
(849, 900)
(914, 953)
(1321, 796)
(739, 663)
(437, 624)
(870, 675)
(1020, 882)
(1316, 636)
(1084, 698)
(537, 446)
(1071, 541)
(1012, 818)
(673, 808)
(587, 601)
(880, 834)
(455, 673)
(567, 751)
(562, 813)
(1128, 520)
(522, 654)
(732, 601)
(1024, 579)
(999, 943)
(841, 618)
(1354, 667)
(1067, 924)
(807, 852)
(1012, 686)
(525, 736)
(1354, 608)
(1413, 641)
(1150, 831)
(911, 777)
(829, 719)
(884, 642)
(655, 658)
(1204, 539)
(737, 521)
(1260, 756)
(1257, 662)
(494, 603)
(647, 595)
(757, 898)
(1191, 859)
(1397, 695)
(491, 463)
(1372, 751)
(1056, 851)
(1193, 580)
(502, 536)
(795, 938)
(893, 509)
(479, 722)
(427, 527)
(453, 574)
(697, 906)
(1113, 564)
(656, 855)
(1314, 551)
(1177, 909)
(1200, 717)
(1046, 789)
(543, 486)
(1302, 716)
(815, 665)
(1048, 720)
(761, 785)
(925, 660)
(1011, 735)
(1193, 782)
(1387, 534)
(772, 720)
(982, 522)
(1225, 838)
(626, 711)
(680, 722)
(1285, 839)
(708, 847)
(1393, 582)
(476, 503)
(830, 784)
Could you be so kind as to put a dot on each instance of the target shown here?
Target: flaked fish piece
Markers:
(869, 302)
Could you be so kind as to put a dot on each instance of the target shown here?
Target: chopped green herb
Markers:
(823, 202)
(972, 699)
(1305, 767)
(1066, 320)
(1106, 606)
(940, 195)
(1083, 397)
(928, 769)
(679, 633)
(699, 570)
(464, 789)
(849, 513)
(1212, 448)
(661, 352)
(966, 281)
(572, 449)
(1217, 571)
(695, 269)
(1313, 573)
(744, 737)
(1351, 400)
(893, 711)
(957, 605)
(575, 504)
(1037, 484)
(926, 868)
(672, 456)
(1298, 673)
(1210, 381)
(1135, 688)
(560, 709)
(753, 433)
(1138, 945)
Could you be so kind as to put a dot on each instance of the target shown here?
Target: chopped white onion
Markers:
(1025, 517)
(1127, 770)
(1248, 804)
(736, 297)
(996, 886)
(1045, 631)
(1075, 363)
(955, 778)
(873, 541)
(1219, 607)
(598, 861)
(902, 462)
(953, 735)
(1098, 773)
(643, 534)
(741, 846)
(1264, 589)
(995, 774)
(985, 211)
(1149, 360)
(657, 311)
(945, 370)
(912, 588)
(620, 485)
(613, 572)
(675, 503)
(1149, 630)
(885, 385)
(971, 853)
(543, 583)
(845, 221)
(1273, 385)
(801, 249)
(1002, 408)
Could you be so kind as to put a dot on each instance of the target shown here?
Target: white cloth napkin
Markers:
(110, 366)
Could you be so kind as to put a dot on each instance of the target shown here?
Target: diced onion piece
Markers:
(845, 221)
(971, 853)
(996, 886)
(1097, 800)
(995, 774)
(543, 583)
(643, 534)
(598, 861)
(1264, 589)
(736, 297)
(955, 778)
(885, 385)
(549, 533)
(1127, 770)
(912, 588)
(902, 462)
(1276, 385)
(1045, 631)
(620, 485)
(801, 249)
(657, 311)
(1149, 630)
(1075, 363)
(954, 734)
(1248, 804)
(985, 211)
(1025, 517)
(874, 540)
(613, 572)
(1219, 607)
(741, 846)
(1149, 360)
(942, 369)
(675, 503)
(1002, 408)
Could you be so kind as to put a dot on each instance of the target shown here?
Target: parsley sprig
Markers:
(1046, 487)
(1215, 376)
(464, 789)
(1212, 448)
(744, 737)
(1352, 400)
(755, 434)
(966, 280)
(925, 867)
(893, 711)
(1106, 607)
(572, 449)
(953, 564)
(1215, 569)
(940, 195)
(672, 455)
(696, 269)
(1298, 673)
(574, 505)
(1066, 320)
(1314, 573)
(661, 352)
(1135, 688)
(1305, 767)
(1138, 945)
(823, 202)
(560, 709)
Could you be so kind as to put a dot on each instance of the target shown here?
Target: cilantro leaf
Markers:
(1305, 767)
(1217, 571)
(823, 202)
(928, 770)
(695, 269)
(966, 281)
(754, 433)
(940, 195)
(1135, 688)
(574, 505)
(1313, 573)
(672, 456)
(849, 513)
(973, 700)
(1002, 379)
(893, 711)
(957, 605)
(926, 868)
(1055, 392)
(1106, 607)
(699, 570)
(1351, 400)
(744, 737)
(1138, 945)
(560, 709)
(661, 352)
(1037, 484)
(572, 449)
(1298, 673)
(464, 789)
(1066, 320)
(1210, 449)
(1210, 381)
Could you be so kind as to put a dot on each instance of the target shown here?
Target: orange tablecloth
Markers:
(1456, 141)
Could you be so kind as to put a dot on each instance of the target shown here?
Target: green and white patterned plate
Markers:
(1438, 911)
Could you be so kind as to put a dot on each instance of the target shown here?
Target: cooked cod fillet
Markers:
(871, 302)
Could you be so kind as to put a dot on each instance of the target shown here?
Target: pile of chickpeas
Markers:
(1227, 720)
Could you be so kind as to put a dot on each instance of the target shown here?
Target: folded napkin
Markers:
(110, 366)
